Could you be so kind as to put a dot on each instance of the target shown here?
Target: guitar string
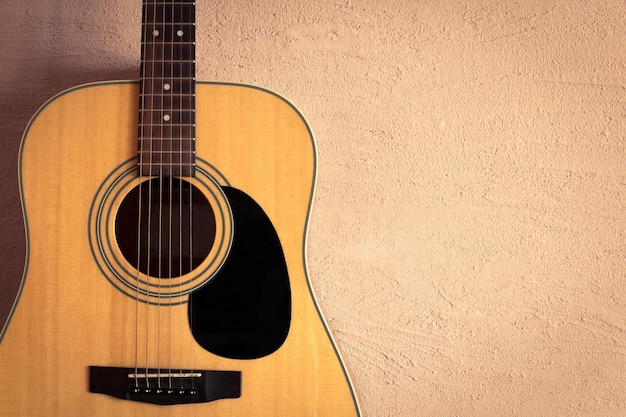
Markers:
(180, 214)
(192, 169)
(189, 254)
(162, 137)
(150, 192)
(140, 151)
(172, 174)
(140, 145)
(171, 191)
(147, 113)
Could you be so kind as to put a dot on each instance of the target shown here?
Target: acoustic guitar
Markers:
(166, 227)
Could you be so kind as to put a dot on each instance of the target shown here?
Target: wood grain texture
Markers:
(70, 317)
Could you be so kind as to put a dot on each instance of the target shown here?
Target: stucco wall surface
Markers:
(468, 237)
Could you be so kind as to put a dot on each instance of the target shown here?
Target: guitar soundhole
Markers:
(165, 227)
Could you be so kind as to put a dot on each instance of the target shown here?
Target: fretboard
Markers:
(167, 89)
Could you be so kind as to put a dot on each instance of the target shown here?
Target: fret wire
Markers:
(168, 164)
(164, 155)
(172, 152)
(179, 80)
(167, 95)
(162, 125)
(174, 77)
(177, 152)
(169, 25)
(169, 43)
(153, 24)
(182, 5)
(186, 157)
(156, 163)
(168, 169)
(159, 115)
(169, 61)
(148, 2)
(167, 124)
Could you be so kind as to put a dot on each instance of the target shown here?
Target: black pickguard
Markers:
(244, 312)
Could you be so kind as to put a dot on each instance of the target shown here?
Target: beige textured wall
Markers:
(467, 243)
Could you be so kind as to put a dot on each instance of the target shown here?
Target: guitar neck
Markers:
(166, 134)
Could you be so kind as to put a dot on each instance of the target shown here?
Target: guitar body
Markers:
(72, 313)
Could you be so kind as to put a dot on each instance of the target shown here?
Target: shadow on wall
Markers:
(46, 47)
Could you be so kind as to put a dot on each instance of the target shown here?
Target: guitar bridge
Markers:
(165, 388)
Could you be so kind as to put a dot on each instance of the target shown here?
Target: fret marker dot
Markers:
(166, 87)
(180, 33)
(166, 117)
(155, 32)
